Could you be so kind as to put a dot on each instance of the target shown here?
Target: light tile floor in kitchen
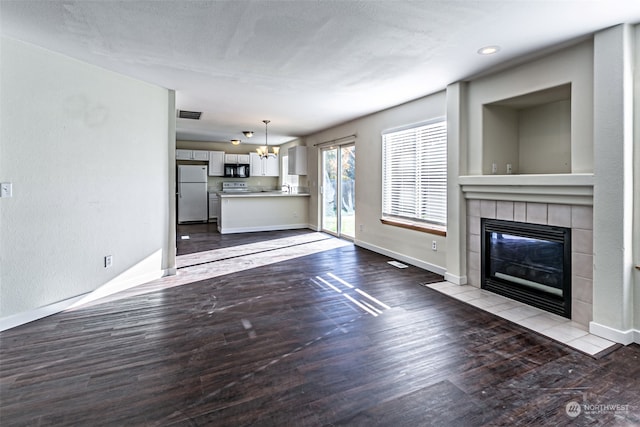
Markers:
(550, 325)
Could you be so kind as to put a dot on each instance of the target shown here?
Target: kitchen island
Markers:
(262, 211)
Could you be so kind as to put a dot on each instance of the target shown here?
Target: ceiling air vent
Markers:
(193, 115)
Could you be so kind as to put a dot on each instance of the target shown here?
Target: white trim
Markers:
(409, 260)
(108, 288)
(18, 319)
(456, 280)
(623, 337)
(575, 189)
(231, 230)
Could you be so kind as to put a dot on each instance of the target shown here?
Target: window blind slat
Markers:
(415, 173)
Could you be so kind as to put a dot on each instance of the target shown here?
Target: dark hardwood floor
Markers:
(338, 337)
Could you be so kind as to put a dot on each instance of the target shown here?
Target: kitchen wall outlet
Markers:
(6, 189)
(108, 261)
(434, 246)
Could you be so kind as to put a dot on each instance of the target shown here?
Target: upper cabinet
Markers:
(255, 165)
(272, 167)
(269, 166)
(216, 163)
(237, 158)
(200, 155)
(297, 160)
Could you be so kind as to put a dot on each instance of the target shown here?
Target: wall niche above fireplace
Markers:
(531, 133)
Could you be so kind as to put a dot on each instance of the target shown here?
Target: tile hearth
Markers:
(550, 325)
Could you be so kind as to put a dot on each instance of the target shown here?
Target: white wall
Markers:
(545, 139)
(636, 226)
(407, 245)
(87, 151)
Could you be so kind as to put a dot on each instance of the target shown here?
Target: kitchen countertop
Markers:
(261, 194)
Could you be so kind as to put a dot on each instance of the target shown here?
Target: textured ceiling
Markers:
(305, 65)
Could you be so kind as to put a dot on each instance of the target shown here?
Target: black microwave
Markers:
(233, 170)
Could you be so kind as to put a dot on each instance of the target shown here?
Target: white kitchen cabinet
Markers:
(255, 165)
(269, 166)
(216, 163)
(242, 159)
(184, 154)
(297, 160)
(200, 155)
(272, 166)
(214, 206)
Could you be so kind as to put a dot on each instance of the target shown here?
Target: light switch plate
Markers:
(6, 189)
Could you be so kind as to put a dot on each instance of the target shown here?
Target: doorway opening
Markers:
(338, 190)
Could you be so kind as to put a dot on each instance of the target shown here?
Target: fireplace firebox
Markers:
(530, 263)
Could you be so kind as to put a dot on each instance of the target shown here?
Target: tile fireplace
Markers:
(578, 219)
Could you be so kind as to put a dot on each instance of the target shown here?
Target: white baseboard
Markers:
(400, 257)
(623, 337)
(109, 288)
(232, 230)
(456, 280)
(24, 317)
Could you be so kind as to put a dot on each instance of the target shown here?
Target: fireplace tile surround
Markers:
(578, 218)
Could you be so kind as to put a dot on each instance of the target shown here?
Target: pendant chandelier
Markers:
(263, 151)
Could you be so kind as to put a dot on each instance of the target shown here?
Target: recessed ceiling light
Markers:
(488, 50)
(235, 141)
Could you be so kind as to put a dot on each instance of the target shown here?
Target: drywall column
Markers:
(170, 257)
(613, 185)
(636, 154)
(456, 262)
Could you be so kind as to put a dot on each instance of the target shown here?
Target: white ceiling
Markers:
(305, 65)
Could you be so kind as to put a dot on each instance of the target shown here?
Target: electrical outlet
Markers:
(108, 261)
(6, 189)
(361, 227)
(434, 246)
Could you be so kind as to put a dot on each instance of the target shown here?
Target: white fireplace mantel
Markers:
(574, 189)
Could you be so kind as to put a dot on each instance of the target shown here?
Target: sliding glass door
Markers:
(338, 190)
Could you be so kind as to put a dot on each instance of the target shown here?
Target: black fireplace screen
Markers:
(528, 262)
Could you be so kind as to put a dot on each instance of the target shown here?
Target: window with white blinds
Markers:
(414, 168)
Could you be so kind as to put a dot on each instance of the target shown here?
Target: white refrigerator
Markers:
(192, 193)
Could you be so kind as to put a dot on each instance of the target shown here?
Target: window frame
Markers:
(414, 222)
